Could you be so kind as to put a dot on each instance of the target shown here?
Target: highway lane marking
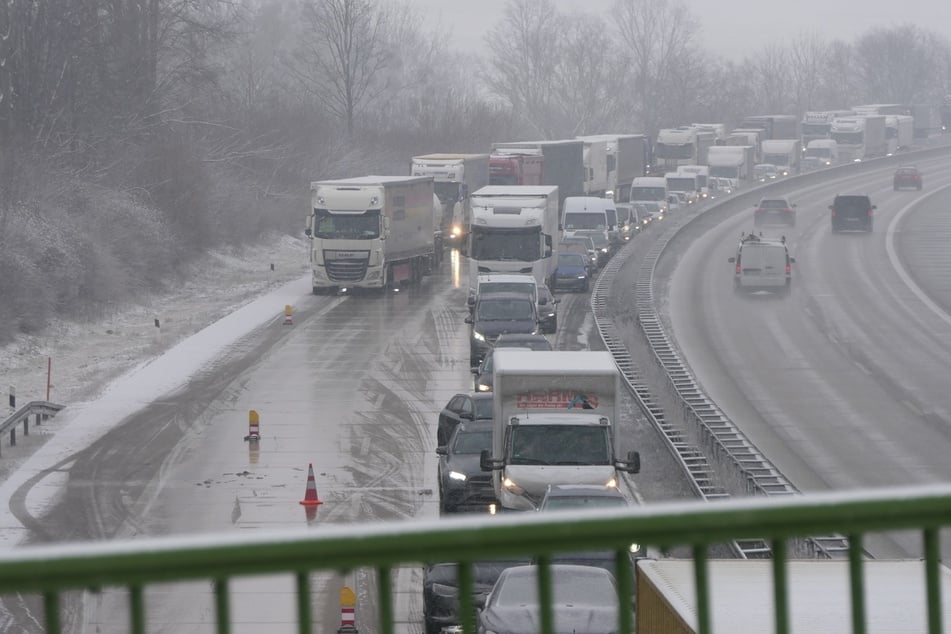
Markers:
(896, 263)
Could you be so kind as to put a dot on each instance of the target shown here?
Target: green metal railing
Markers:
(52, 570)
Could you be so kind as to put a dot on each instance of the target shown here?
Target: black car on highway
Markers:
(461, 408)
(463, 485)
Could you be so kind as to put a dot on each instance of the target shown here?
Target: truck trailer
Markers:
(818, 594)
(860, 137)
(563, 166)
(627, 158)
(555, 422)
(776, 126)
(455, 177)
(511, 168)
(785, 154)
(733, 162)
(371, 232)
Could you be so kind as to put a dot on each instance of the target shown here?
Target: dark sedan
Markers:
(547, 311)
(571, 273)
(463, 485)
(462, 407)
(441, 590)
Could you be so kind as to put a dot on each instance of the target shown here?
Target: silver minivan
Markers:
(762, 264)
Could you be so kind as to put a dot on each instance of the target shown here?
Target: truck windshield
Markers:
(559, 445)
(523, 245)
(347, 226)
(448, 193)
(776, 159)
(648, 193)
(679, 151)
(681, 184)
(848, 138)
(723, 171)
(585, 220)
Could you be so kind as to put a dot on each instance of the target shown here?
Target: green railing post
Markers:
(857, 582)
(702, 580)
(466, 591)
(932, 579)
(386, 599)
(222, 606)
(137, 608)
(545, 595)
(51, 610)
(780, 587)
(625, 590)
(304, 612)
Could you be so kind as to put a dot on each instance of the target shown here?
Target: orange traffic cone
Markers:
(310, 495)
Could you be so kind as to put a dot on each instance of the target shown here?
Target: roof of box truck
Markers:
(514, 191)
(450, 157)
(372, 180)
(555, 362)
(818, 591)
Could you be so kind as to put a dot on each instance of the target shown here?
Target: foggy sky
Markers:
(733, 28)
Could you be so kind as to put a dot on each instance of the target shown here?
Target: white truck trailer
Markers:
(595, 156)
(676, 147)
(371, 231)
(860, 137)
(818, 594)
(785, 154)
(820, 153)
(733, 162)
(555, 422)
(514, 230)
(899, 132)
(455, 177)
(626, 160)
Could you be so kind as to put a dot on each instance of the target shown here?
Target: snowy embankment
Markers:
(103, 371)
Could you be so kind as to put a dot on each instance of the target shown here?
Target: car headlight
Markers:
(478, 336)
(634, 548)
(510, 485)
(485, 388)
(455, 475)
(611, 484)
(582, 277)
(456, 231)
(604, 250)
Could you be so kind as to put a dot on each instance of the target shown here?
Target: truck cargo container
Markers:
(555, 422)
(627, 159)
(563, 166)
(734, 162)
(818, 594)
(371, 231)
(776, 126)
(785, 154)
(455, 177)
(860, 137)
(512, 168)
(899, 132)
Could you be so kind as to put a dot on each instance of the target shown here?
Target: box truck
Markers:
(563, 166)
(455, 177)
(555, 417)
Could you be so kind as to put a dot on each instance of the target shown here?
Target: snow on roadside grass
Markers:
(86, 355)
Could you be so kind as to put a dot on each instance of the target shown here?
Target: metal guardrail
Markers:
(42, 410)
(219, 558)
(726, 444)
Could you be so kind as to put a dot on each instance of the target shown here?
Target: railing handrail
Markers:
(33, 407)
(466, 539)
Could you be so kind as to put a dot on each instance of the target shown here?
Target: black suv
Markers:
(907, 176)
(496, 314)
(852, 212)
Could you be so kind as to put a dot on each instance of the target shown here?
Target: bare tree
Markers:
(808, 53)
(525, 54)
(658, 37)
(342, 54)
(769, 72)
(838, 80)
(901, 64)
(587, 77)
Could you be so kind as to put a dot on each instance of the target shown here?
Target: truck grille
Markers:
(346, 266)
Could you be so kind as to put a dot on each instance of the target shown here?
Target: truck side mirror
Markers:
(442, 451)
(308, 232)
(633, 462)
(485, 460)
(468, 320)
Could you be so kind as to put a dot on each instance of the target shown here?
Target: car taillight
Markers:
(833, 212)
(870, 211)
(788, 269)
(738, 269)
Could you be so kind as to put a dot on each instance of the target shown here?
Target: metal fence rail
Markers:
(220, 558)
(40, 410)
